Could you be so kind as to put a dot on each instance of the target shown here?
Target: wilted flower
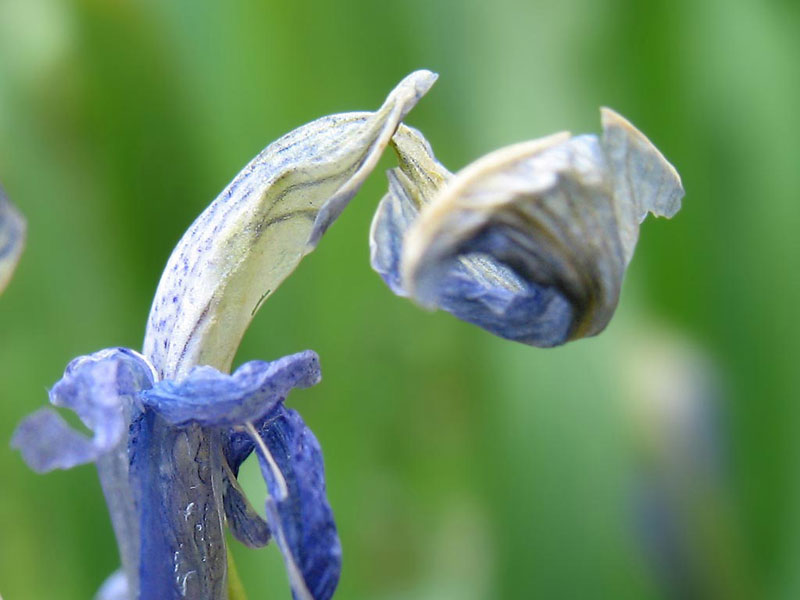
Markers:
(171, 428)
(530, 242)
(12, 239)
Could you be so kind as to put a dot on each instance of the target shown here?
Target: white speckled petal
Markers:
(12, 239)
(259, 228)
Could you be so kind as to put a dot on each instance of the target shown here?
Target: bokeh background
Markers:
(659, 460)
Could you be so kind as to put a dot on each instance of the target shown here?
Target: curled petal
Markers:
(216, 399)
(12, 239)
(98, 388)
(258, 229)
(530, 242)
(297, 508)
(475, 288)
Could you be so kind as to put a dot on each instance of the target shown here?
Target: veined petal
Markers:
(530, 242)
(97, 388)
(12, 239)
(215, 399)
(259, 228)
(297, 508)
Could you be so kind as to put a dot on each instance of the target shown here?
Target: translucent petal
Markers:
(12, 239)
(211, 398)
(301, 519)
(47, 442)
(258, 229)
(96, 388)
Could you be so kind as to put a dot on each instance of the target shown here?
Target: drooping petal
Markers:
(259, 228)
(530, 242)
(297, 508)
(97, 388)
(12, 239)
(216, 399)
(475, 288)
(47, 442)
(245, 523)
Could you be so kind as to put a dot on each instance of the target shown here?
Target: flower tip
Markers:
(313, 372)
(423, 80)
(409, 91)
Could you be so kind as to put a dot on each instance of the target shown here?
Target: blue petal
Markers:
(98, 388)
(176, 478)
(237, 447)
(47, 442)
(211, 398)
(297, 509)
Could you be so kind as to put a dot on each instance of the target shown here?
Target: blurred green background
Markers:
(459, 465)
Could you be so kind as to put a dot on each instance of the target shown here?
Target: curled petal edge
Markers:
(99, 388)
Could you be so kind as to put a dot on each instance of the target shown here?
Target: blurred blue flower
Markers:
(12, 239)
